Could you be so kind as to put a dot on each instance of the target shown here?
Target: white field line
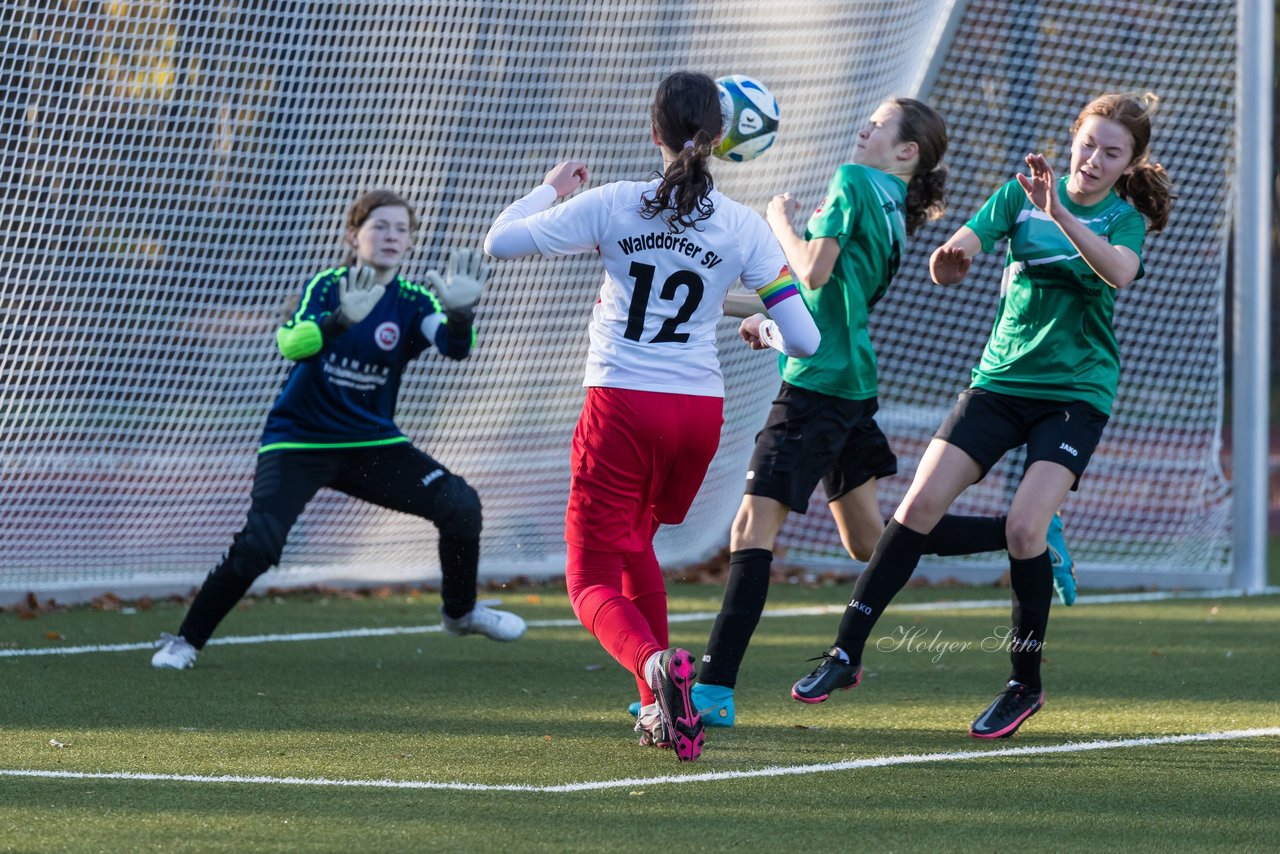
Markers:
(639, 782)
(812, 611)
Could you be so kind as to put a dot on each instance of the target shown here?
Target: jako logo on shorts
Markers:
(387, 335)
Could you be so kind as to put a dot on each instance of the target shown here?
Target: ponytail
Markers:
(926, 197)
(1148, 188)
(684, 187)
(687, 119)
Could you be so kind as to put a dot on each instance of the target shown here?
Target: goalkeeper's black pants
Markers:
(398, 476)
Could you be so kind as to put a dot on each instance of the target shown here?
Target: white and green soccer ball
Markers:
(750, 118)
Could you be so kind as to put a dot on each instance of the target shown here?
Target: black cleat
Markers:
(834, 673)
(1007, 711)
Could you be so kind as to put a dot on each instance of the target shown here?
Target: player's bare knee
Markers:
(738, 532)
(919, 513)
(750, 531)
(860, 547)
(1025, 537)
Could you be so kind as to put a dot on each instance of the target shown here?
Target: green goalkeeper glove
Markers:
(357, 295)
(464, 280)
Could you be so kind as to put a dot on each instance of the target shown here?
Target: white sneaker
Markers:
(483, 620)
(174, 653)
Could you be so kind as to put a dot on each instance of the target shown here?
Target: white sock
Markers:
(651, 668)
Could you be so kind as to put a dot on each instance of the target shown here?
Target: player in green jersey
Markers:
(822, 425)
(1046, 380)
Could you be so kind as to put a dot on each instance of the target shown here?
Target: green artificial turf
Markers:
(550, 710)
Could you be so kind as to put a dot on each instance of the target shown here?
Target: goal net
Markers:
(175, 171)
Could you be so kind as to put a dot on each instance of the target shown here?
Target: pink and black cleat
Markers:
(834, 673)
(1007, 711)
(672, 685)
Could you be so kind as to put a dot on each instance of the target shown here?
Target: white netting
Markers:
(1153, 504)
(173, 172)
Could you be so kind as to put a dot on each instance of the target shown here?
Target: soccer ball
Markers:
(750, 118)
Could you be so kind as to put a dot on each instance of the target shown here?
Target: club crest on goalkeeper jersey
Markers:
(346, 393)
(654, 323)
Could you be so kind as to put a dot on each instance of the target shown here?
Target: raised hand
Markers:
(949, 265)
(464, 280)
(357, 294)
(566, 177)
(782, 208)
(1039, 185)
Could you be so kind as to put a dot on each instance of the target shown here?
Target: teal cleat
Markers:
(1064, 569)
(714, 703)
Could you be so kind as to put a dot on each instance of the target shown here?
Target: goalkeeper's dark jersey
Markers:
(342, 389)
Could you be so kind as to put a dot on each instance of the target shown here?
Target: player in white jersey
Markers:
(651, 421)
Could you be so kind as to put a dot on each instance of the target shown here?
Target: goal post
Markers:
(175, 172)
(1251, 385)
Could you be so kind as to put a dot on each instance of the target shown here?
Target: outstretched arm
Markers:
(452, 329)
(303, 335)
(509, 236)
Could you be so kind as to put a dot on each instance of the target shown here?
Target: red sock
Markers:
(594, 580)
(642, 583)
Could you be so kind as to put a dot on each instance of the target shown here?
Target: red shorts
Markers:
(639, 458)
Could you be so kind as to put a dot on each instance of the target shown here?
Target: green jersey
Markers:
(864, 210)
(1053, 338)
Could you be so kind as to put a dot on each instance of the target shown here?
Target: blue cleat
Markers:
(1064, 569)
(714, 703)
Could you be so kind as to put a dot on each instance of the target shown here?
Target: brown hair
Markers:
(365, 204)
(686, 109)
(359, 211)
(1146, 185)
(927, 189)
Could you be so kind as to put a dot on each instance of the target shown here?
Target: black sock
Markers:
(1032, 582)
(459, 567)
(966, 535)
(218, 595)
(744, 598)
(890, 567)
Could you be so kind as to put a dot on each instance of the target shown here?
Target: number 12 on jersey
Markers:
(643, 275)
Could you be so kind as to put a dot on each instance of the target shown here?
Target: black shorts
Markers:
(985, 424)
(811, 437)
